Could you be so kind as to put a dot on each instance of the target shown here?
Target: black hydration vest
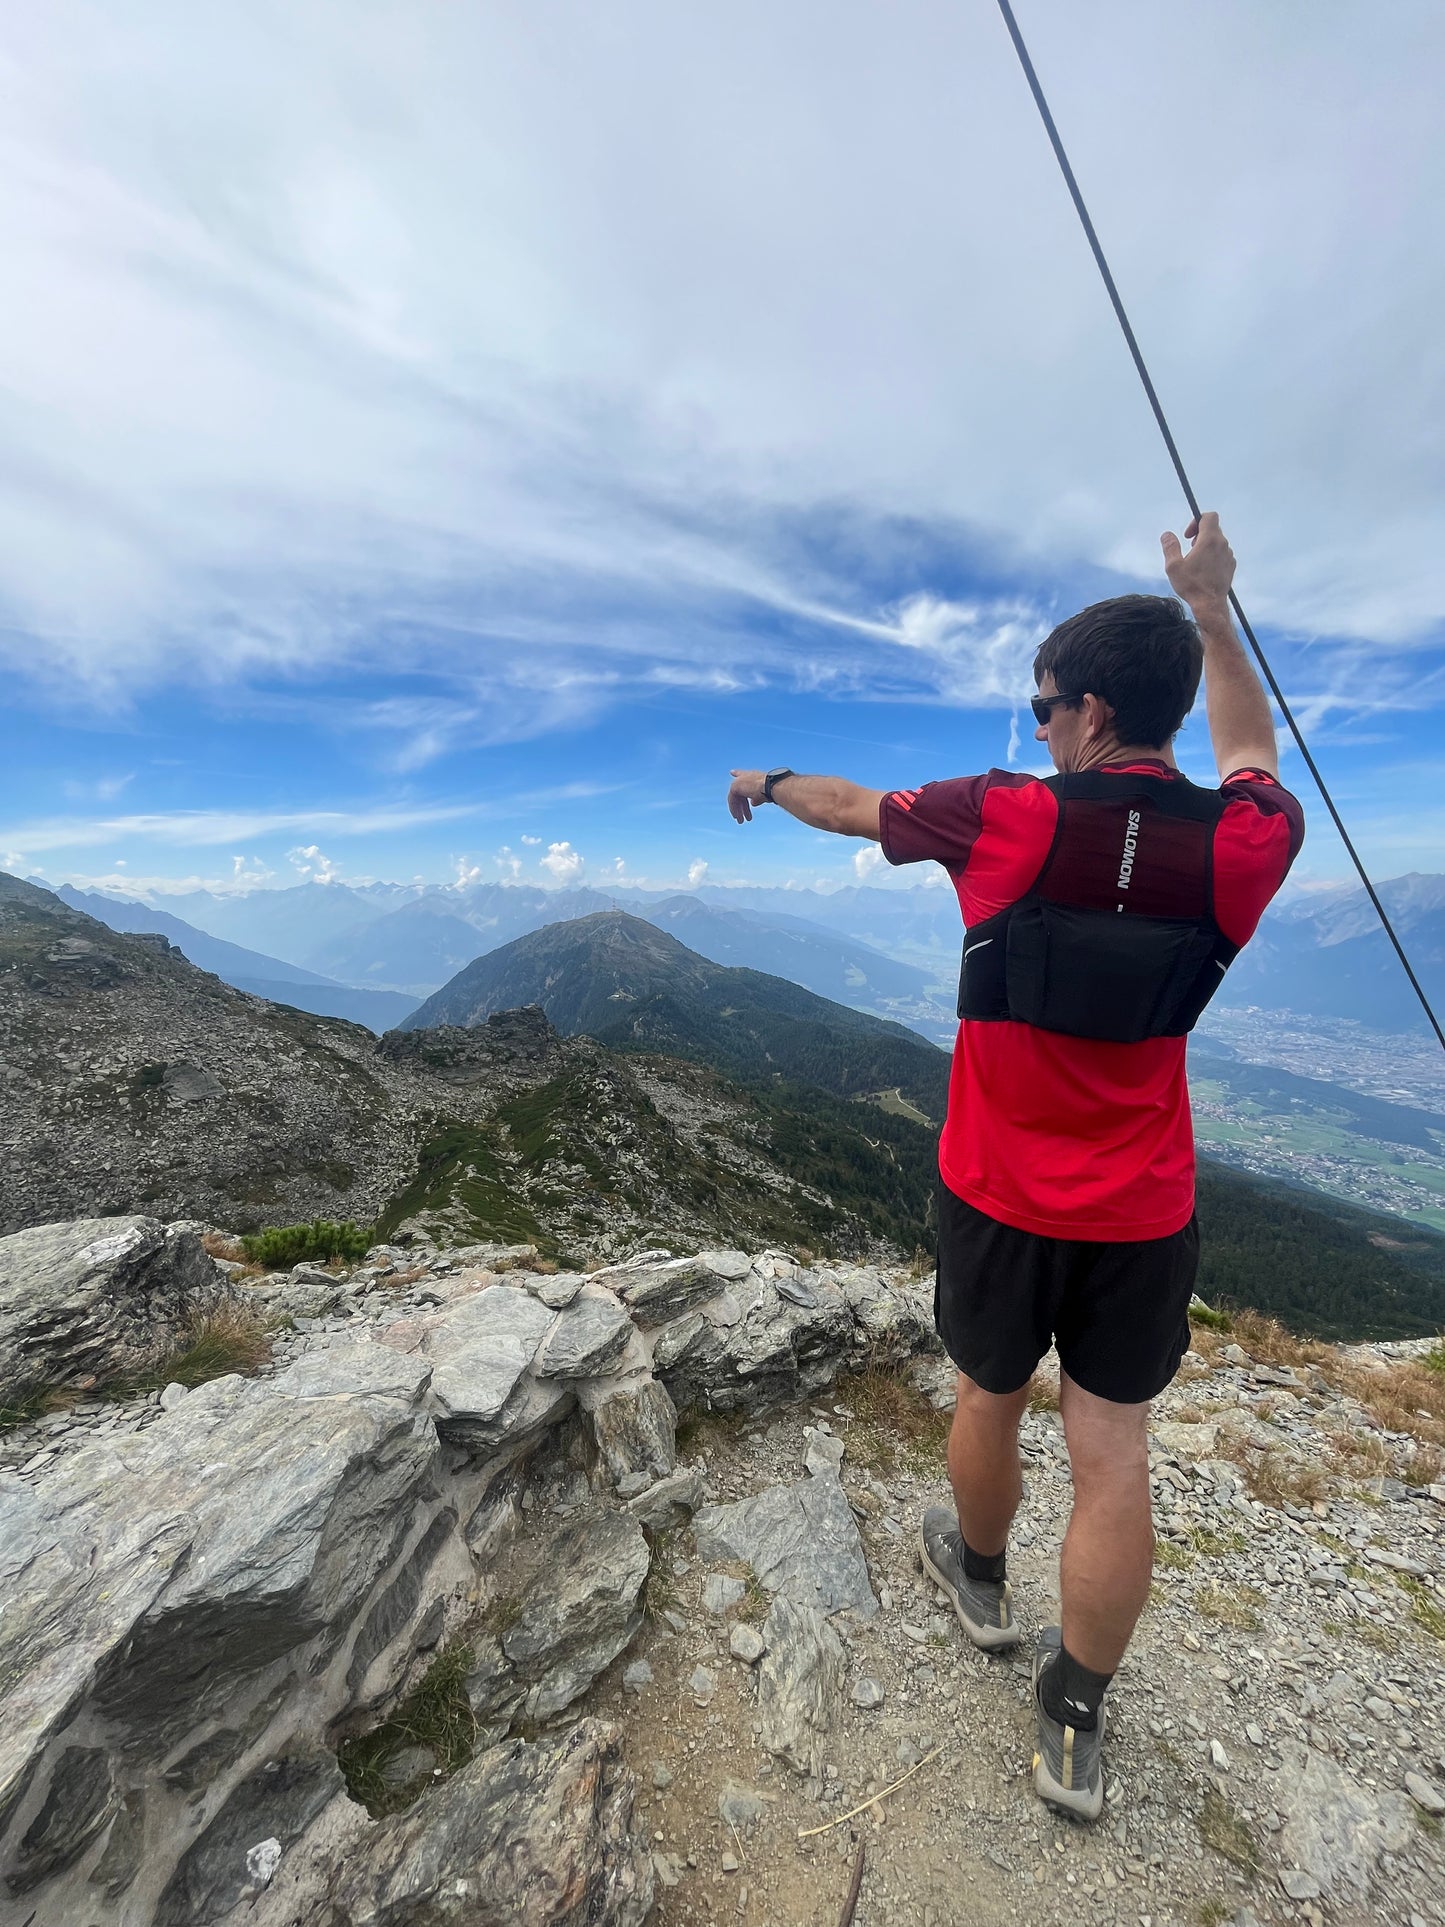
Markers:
(1115, 939)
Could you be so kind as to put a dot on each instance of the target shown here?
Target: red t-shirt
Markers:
(1067, 1136)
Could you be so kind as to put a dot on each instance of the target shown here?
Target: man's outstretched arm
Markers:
(1240, 724)
(822, 802)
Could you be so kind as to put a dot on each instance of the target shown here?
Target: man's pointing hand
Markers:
(744, 793)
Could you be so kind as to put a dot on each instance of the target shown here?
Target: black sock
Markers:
(993, 1568)
(1070, 1693)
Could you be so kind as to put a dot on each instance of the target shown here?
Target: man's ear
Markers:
(1098, 714)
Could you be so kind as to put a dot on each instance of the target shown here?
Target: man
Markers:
(1102, 907)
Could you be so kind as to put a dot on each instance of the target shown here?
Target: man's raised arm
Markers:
(822, 802)
(1241, 727)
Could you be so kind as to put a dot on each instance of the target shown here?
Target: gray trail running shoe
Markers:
(1068, 1766)
(984, 1608)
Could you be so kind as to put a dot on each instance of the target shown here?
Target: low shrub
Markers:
(320, 1242)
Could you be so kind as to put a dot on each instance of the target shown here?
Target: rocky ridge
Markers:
(685, 1651)
(132, 1082)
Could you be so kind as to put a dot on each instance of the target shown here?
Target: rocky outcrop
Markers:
(198, 1609)
(85, 1300)
(132, 1082)
(523, 1836)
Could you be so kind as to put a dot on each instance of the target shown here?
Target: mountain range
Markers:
(270, 977)
(131, 1080)
(891, 951)
(1327, 955)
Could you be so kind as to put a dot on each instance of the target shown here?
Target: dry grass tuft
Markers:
(1360, 1455)
(1401, 1395)
(1425, 1607)
(894, 1424)
(219, 1246)
(25, 1407)
(1238, 1608)
(1274, 1478)
(1221, 1828)
(224, 1341)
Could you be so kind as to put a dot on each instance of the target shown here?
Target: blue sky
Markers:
(442, 441)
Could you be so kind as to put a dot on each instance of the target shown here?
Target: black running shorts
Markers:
(1118, 1312)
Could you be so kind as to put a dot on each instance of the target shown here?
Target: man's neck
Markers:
(1106, 752)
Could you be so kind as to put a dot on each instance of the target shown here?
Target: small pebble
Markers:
(702, 1685)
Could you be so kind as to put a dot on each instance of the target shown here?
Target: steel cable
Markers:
(1192, 499)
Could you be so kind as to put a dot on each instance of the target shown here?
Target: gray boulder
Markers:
(671, 1502)
(523, 1836)
(656, 1292)
(769, 1340)
(800, 1684)
(634, 1424)
(482, 1350)
(581, 1609)
(801, 1540)
(165, 1581)
(95, 1296)
(588, 1338)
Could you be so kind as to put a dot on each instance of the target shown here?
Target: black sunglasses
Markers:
(1042, 706)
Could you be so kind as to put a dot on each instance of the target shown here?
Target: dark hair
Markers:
(1140, 653)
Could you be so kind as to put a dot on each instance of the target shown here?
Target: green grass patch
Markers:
(436, 1713)
(1212, 1319)
(1214, 1545)
(459, 1171)
(1237, 1607)
(1425, 1609)
(1171, 1557)
(1434, 1359)
(25, 1407)
(322, 1242)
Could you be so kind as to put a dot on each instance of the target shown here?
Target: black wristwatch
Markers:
(771, 781)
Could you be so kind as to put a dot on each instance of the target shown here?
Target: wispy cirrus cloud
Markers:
(534, 387)
(185, 829)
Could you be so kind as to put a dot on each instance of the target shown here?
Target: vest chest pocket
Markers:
(1104, 974)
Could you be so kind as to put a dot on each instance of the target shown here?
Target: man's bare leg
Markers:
(983, 1463)
(1108, 1551)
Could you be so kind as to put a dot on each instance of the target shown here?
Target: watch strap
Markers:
(772, 779)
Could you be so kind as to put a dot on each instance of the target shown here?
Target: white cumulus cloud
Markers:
(565, 863)
(866, 861)
(312, 864)
(697, 870)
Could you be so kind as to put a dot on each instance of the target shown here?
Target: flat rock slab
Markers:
(587, 1338)
(801, 1540)
(522, 1836)
(1335, 1829)
(800, 1683)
